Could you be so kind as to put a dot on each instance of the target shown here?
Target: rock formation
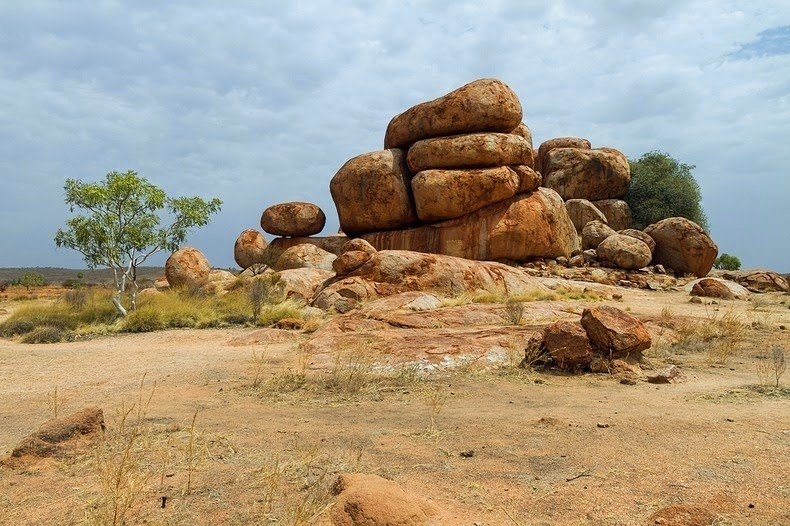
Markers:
(683, 246)
(187, 267)
(249, 249)
(293, 219)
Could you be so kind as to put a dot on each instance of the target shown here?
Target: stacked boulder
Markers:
(456, 178)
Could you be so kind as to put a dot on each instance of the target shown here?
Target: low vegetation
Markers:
(718, 335)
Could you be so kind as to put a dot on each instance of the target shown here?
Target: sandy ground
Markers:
(541, 448)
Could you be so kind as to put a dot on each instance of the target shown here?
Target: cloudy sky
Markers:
(260, 102)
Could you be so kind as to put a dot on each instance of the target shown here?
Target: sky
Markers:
(261, 102)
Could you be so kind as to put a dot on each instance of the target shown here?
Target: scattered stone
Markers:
(669, 375)
(295, 219)
(602, 425)
(187, 267)
(467, 454)
(249, 249)
(372, 192)
(695, 299)
(485, 105)
(477, 150)
(683, 245)
(369, 500)
(624, 252)
(595, 175)
(577, 261)
(615, 333)
(594, 232)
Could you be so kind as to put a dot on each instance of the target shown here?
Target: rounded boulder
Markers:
(647, 240)
(624, 252)
(558, 142)
(577, 173)
(293, 219)
(683, 246)
(485, 105)
(582, 211)
(476, 150)
(617, 212)
(249, 249)
(594, 232)
(187, 267)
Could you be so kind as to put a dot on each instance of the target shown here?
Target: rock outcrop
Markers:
(558, 142)
(617, 212)
(594, 232)
(568, 345)
(304, 256)
(683, 246)
(582, 211)
(711, 288)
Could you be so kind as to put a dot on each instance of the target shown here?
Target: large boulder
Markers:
(614, 333)
(370, 500)
(187, 267)
(624, 252)
(389, 272)
(249, 249)
(475, 150)
(617, 212)
(577, 173)
(445, 194)
(304, 256)
(649, 241)
(293, 219)
(520, 228)
(372, 192)
(683, 246)
(568, 344)
(545, 147)
(594, 232)
(582, 211)
(485, 105)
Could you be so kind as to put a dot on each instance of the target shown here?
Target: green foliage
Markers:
(663, 187)
(122, 224)
(727, 262)
(144, 319)
(32, 279)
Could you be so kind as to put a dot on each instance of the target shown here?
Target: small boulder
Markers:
(617, 212)
(485, 105)
(649, 241)
(624, 252)
(558, 142)
(358, 244)
(683, 246)
(293, 219)
(447, 194)
(615, 333)
(594, 232)
(349, 261)
(372, 192)
(763, 281)
(187, 267)
(576, 173)
(711, 288)
(568, 344)
(476, 150)
(370, 500)
(305, 256)
(582, 211)
(249, 249)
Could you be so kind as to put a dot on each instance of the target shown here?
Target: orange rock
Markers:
(476, 150)
(558, 142)
(683, 246)
(568, 344)
(370, 500)
(249, 249)
(615, 333)
(187, 267)
(624, 252)
(616, 211)
(577, 173)
(293, 219)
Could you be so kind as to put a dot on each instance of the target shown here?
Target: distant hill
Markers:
(55, 276)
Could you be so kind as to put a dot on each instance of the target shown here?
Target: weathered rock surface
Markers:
(305, 256)
(568, 344)
(58, 436)
(349, 261)
(623, 251)
(541, 160)
(577, 173)
(683, 246)
(711, 288)
(616, 211)
(370, 500)
(293, 219)
(372, 192)
(301, 283)
(614, 333)
(763, 281)
(249, 249)
(530, 179)
(736, 290)
(358, 244)
(523, 130)
(391, 272)
(485, 105)
(475, 150)
(582, 211)
(649, 241)
(520, 228)
(187, 267)
(446, 194)
(219, 282)
(594, 232)
(333, 244)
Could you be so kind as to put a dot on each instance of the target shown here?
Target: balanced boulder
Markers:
(187, 267)
(624, 252)
(249, 249)
(617, 212)
(293, 219)
(476, 150)
(485, 105)
(683, 246)
(372, 192)
(577, 173)
(522, 227)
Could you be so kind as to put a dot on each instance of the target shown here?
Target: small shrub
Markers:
(145, 319)
(32, 279)
(4, 285)
(15, 326)
(76, 298)
(771, 368)
(46, 334)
